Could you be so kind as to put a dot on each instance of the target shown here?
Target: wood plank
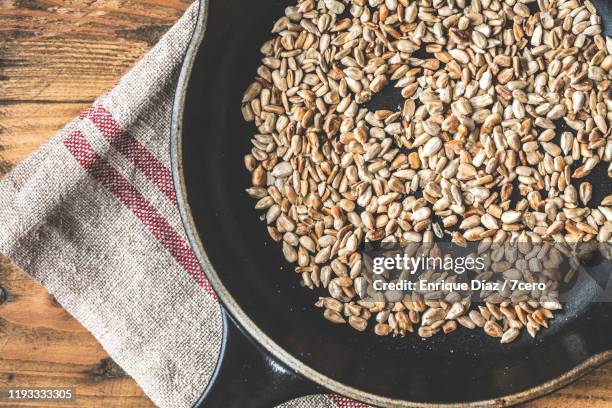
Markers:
(42, 346)
(26, 126)
(593, 391)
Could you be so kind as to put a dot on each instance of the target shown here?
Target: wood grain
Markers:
(42, 346)
(56, 57)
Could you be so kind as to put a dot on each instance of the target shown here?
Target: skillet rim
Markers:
(229, 303)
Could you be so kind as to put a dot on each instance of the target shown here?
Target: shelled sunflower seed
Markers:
(501, 99)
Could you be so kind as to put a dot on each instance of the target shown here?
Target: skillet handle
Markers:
(246, 376)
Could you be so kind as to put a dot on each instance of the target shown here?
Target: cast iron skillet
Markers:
(277, 346)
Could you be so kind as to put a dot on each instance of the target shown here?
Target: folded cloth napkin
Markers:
(92, 216)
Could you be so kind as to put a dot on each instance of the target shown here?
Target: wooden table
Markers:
(56, 57)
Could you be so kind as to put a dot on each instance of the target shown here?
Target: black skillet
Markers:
(277, 346)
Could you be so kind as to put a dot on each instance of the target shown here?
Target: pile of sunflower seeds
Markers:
(502, 99)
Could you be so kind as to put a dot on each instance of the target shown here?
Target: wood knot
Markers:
(107, 368)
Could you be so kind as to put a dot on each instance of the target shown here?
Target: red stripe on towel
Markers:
(343, 402)
(121, 188)
(132, 149)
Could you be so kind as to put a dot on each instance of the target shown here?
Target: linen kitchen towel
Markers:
(92, 215)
